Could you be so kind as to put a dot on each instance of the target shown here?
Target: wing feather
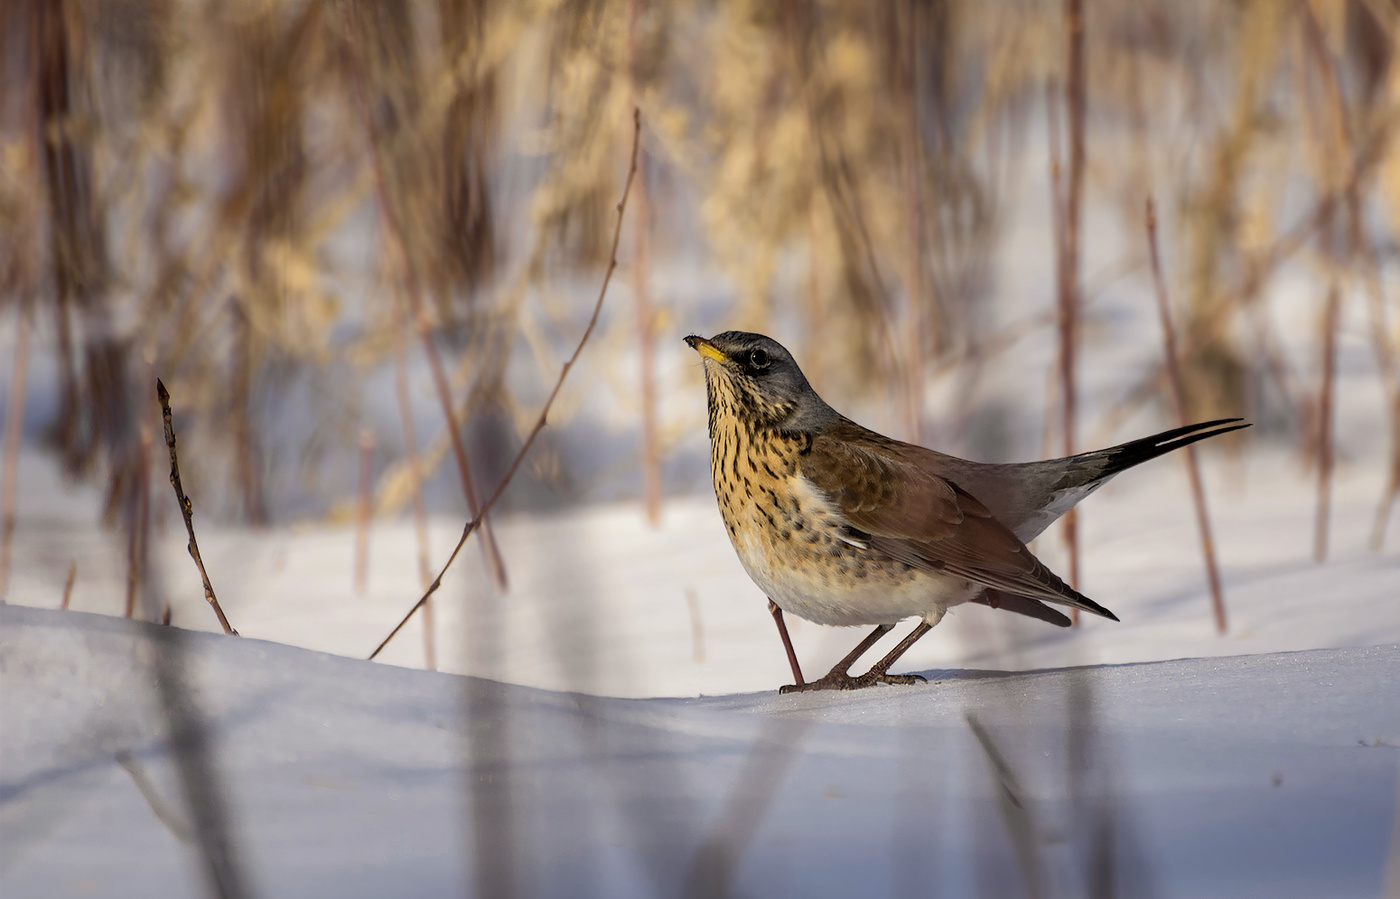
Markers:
(913, 514)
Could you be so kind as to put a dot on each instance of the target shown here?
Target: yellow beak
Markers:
(706, 349)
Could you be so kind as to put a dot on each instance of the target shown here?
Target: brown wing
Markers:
(911, 513)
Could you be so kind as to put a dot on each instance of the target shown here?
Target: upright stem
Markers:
(1069, 272)
(14, 424)
(187, 508)
(650, 448)
(362, 511)
(1330, 319)
(549, 400)
(915, 287)
(1217, 596)
(419, 317)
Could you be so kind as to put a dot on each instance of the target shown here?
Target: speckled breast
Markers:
(791, 539)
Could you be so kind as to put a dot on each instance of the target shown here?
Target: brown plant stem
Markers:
(362, 511)
(911, 164)
(1075, 101)
(138, 538)
(1217, 597)
(641, 289)
(1386, 364)
(68, 584)
(1330, 320)
(14, 424)
(1065, 320)
(419, 317)
(187, 508)
(549, 401)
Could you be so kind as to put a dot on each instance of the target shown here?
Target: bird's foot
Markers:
(840, 680)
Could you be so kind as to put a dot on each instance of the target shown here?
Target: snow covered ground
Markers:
(314, 775)
(599, 603)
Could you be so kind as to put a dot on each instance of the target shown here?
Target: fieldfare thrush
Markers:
(843, 526)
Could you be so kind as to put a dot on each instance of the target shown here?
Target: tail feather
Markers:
(1022, 605)
(1135, 452)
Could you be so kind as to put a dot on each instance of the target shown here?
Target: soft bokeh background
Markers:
(358, 239)
(324, 225)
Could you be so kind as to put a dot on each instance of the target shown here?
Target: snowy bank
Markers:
(140, 760)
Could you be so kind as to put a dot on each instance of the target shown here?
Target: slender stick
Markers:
(1387, 367)
(68, 584)
(14, 423)
(186, 507)
(420, 322)
(362, 511)
(549, 401)
(1075, 101)
(641, 290)
(911, 164)
(1324, 420)
(1064, 320)
(140, 527)
(1217, 597)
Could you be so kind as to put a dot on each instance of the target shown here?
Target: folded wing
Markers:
(910, 513)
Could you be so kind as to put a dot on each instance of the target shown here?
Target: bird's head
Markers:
(755, 378)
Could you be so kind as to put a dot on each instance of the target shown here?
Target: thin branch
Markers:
(68, 584)
(138, 538)
(363, 511)
(549, 401)
(1386, 365)
(1217, 597)
(1325, 439)
(14, 423)
(186, 507)
(419, 316)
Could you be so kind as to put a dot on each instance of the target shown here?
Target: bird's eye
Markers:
(759, 359)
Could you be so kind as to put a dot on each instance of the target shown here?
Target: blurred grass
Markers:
(189, 189)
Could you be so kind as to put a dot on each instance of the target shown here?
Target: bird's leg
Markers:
(837, 678)
(777, 614)
(877, 674)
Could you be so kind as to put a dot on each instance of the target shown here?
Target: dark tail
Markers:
(1125, 456)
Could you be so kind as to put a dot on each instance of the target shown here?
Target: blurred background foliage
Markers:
(277, 206)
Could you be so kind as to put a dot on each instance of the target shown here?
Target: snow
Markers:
(1265, 775)
(598, 601)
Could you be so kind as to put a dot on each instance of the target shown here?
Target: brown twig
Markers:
(140, 527)
(362, 511)
(1386, 365)
(419, 318)
(911, 165)
(68, 584)
(1066, 268)
(549, 401)
(1075, 101)
(186, 507)
(641, 289)
(1217, 597)
(1330, 319)
(14, 423)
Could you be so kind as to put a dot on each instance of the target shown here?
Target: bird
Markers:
(843, 526)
